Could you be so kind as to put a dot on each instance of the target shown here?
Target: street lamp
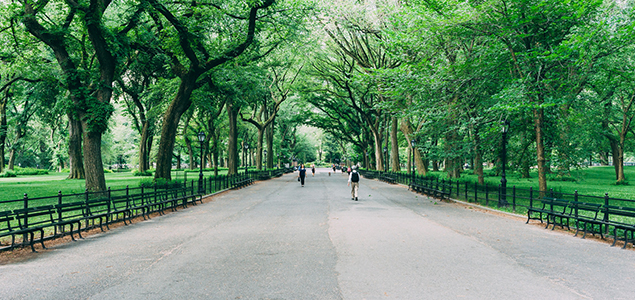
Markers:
(201, 139)
(244, 156)
(413, 143)
(503, 196)
(385, 159)
(265, 158)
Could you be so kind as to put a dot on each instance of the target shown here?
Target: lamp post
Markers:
(385, 159)
(245, 153)
(413, 143)
(201, 139)
(265, 162)
(503, 196)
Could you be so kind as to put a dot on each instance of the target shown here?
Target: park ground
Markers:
(277, 240)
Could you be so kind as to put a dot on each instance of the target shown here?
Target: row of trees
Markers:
(451, 74)
(379, 75)
(174, 66)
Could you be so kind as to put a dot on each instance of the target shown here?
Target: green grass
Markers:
(593, 181)
(14, 188)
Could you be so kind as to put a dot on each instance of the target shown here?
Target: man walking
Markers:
(353, 182)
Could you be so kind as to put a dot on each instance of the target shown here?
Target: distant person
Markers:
(333, 168)
(313, 169)
(353, 182)
(302, 174)
(348, 171)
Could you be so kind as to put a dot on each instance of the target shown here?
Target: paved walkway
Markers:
(277, 240)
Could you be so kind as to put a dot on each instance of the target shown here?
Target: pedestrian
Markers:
(333, 168)
(313, 169)
(302, 174)
(353, 182)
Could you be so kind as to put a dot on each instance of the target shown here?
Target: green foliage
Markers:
(161, 183)
(106, 171)
(144, 173)
(8, 173)
(30, 171)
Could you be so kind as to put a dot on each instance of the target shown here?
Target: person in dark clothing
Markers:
(302, 174)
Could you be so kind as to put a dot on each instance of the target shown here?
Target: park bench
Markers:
(387, 179)
(6, 230)
(121, 206)
(34, 219)
(622, 219)
(70, 214)
(554, 211)
(429, 191)
(241, 182)
(586, 217)
(97, 209)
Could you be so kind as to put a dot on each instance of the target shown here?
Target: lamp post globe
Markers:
(201, 139)
(385, 159)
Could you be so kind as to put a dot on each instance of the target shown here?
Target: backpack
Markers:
(355, 176)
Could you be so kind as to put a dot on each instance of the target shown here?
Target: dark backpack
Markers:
(355, 176)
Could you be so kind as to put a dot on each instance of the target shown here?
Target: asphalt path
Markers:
(278, 240)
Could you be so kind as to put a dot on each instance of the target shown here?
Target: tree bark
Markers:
(3, 130)
(232, 142)
(269, 135)
(394, 152)
(93, 167)
(540, 151)
(75, 149)
(178, 106)
(143, 147)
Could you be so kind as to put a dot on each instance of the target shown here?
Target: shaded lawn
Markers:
(49, 185)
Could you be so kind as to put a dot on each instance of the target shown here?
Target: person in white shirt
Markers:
(353, 182)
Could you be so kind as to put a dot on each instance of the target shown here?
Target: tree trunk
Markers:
(143, 148)
(3, 130)
(540, 151)
(149, 151)
(261, 134)
(269, 135)
(171, 119)
(93, 166)
(190, 153)
(11, 159)
(379, 155)
(75, 156)
(232, 142)
(394, 152)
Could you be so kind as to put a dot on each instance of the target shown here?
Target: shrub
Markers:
(561, 178)
(161, 183)
(8, 173)
(144, 173)
(30, 171)
(106, 171)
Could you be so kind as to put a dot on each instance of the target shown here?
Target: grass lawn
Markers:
(49, 185)
(594, 181)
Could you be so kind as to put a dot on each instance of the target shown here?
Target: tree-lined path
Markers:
(277, 240)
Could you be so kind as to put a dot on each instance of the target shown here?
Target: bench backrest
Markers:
(6, 217)
(554, 204)
(34, 216)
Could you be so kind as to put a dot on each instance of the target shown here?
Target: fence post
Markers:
(486, 195)
(25, 236)
(531, 197)
(109, 205)
(457, 189)
(606, 213)
(514, 198)
(575, 199)
(476, 192)
(59, 202)
(466, 198)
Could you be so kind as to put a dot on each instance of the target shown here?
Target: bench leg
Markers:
(614, 237)
(42, 238)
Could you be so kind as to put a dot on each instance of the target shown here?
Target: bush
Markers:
(561, 178)
(30, 171)
(144, 173)
(8, 173)
(161, 183)
(106, 171)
